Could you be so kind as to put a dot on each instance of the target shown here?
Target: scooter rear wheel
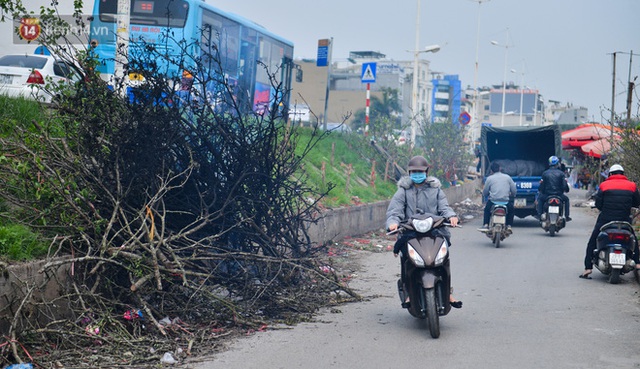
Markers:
(496, 239)
(614, 277)
(432, 312)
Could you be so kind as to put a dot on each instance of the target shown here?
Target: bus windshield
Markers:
(163, 13)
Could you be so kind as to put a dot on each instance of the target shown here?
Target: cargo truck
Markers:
(523, 154)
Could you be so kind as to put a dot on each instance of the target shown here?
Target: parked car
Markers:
(26, 74)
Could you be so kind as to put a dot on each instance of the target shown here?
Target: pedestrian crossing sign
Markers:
(368, 72)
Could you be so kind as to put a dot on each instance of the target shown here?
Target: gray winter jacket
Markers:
(429, 198)
(499, 187)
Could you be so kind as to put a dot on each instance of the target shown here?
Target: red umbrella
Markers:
(599, 147)
(584, 134)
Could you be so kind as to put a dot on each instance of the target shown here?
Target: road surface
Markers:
(524, 307)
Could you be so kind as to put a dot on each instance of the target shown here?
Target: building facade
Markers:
(446, 100)
(347, 93)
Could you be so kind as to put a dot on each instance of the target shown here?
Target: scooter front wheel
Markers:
(432, 312)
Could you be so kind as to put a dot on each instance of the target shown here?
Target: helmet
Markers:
(553, 160)
(418, 163)
(616, 168)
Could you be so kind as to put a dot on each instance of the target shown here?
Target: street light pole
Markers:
(476, 96)
(414, 94)
(504, 78)
(414, 88)
(521, 89)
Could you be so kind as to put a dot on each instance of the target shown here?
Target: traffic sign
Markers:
(323, 53)
(464, 118)
(368, 72)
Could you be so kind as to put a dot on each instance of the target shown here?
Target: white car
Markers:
(26, 74)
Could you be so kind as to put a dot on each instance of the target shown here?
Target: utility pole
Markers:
(629, 91)
(630, 87)
(613, 93)
(326, 96)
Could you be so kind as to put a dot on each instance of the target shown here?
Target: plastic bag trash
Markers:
(165, 321)
(167, 358)
(20, 366)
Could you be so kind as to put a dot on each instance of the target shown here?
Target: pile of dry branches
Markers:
(170, 224)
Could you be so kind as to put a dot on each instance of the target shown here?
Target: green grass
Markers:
(18, 243)
(337, 151)
(18, 112)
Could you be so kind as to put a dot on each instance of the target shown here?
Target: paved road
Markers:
(524, 307)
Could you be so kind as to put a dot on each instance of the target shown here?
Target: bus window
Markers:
(230, 47)
(248, 56)
(164, 13)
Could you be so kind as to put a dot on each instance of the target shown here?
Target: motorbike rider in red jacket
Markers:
(615, 198)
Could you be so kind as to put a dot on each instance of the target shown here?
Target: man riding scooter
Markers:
(553, 182)
(498, 187)
(418, 193)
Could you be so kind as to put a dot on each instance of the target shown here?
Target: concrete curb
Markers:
(336, 224)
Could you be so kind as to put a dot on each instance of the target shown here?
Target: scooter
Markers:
(426, 289)
(614, 249)
(498, 223)
(552, 219)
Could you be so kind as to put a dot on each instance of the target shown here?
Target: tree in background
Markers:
(384, 114)
(444, 147)
(627, 150)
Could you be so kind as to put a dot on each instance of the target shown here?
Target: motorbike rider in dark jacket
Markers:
(615, 198)
(553, 182)
(418, 193)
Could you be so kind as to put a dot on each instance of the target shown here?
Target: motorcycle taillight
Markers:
(619, 237)
(554, 201)
(500, 211)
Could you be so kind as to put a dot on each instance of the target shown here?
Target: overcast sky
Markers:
(564, 47)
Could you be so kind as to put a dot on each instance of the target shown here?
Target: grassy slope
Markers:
(337, 151)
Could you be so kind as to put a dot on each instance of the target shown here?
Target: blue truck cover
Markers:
(523, 153)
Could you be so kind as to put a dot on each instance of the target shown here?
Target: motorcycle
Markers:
(614, 249)
(498, 223)
(552, 219)
(425, 270)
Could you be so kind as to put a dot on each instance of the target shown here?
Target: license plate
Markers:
(498, 219)
(617, 259)
(520, 203)
(554, 209)
(6, 79)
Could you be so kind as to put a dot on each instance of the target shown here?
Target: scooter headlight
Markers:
(415, 257)
(442, 254)
(422, 225)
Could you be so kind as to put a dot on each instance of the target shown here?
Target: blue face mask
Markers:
(418, 177)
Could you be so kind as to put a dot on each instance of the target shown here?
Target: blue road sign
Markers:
(323, 53)
(368, 72)
(464, 118)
